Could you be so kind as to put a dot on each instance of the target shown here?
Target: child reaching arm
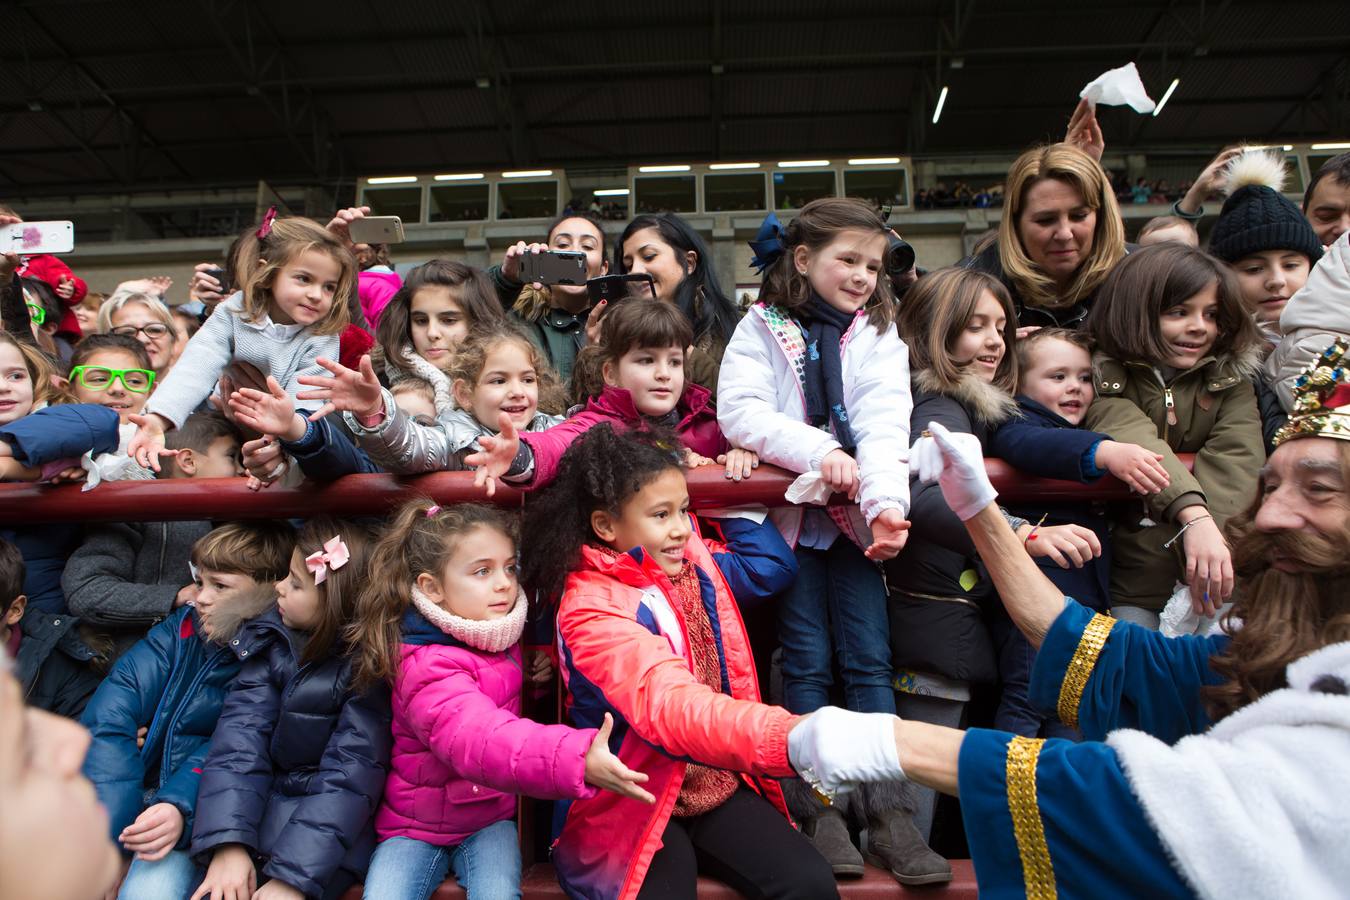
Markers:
(442, 619)
(292, 309)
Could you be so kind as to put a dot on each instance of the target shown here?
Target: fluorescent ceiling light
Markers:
(803, 163)
(393, 179)
(720, 166)
(942, 101)
(1340, 145)
(528, 173)
(468, 176)
(611, 192)
(1167, 95)
(663, 168)
(875, 161)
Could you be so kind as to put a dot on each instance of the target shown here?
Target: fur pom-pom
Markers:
(1255, 166)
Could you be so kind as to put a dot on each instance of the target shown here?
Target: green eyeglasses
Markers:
(100, 378)
(36, 313)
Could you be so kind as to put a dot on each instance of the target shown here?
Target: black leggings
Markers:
(745, 843)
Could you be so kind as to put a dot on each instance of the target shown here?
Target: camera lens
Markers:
(899, 256)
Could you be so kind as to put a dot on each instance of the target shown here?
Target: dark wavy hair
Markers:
(600, 471)
(472, 289)
(698, 296)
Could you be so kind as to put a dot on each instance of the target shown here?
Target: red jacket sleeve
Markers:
(656, 693)
(549, 445)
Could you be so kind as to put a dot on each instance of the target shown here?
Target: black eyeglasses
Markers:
(153, 331)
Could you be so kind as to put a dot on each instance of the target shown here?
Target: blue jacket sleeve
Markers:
(1097, 837)
(324, 453)
(342, 797)
(1141, 679)
(58, 432)
(124, 702)
(180, 790)
(753, 557)
(1048, 452)
(236, 778)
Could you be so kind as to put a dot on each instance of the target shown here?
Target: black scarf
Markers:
(825, 327)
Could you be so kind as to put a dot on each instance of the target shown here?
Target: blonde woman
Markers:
(145, 318)
(1061, 234)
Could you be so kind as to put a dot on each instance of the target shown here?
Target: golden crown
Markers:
(1321, 398)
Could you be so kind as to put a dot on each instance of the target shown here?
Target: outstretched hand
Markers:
(607, 772)
(956, 463)
(1084, 132)
(147, 445)
(890, 530)
(268, 412)
(494, 460)
(356, 391)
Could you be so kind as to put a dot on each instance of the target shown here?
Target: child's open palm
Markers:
(494, 460)
(605, 771)
(356, 391)
(267, 412)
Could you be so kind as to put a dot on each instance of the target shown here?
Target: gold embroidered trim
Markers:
(1081, 666)
(1038, 874)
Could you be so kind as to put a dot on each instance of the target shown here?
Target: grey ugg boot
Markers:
(893, 843)
(825, 826)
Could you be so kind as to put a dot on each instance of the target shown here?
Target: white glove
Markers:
(834, 749)
(956, 463)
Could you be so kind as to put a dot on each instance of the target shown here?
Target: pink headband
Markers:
(332, 557)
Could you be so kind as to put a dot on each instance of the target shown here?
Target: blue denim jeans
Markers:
(174, 877)
(486, 865)
(836, 609)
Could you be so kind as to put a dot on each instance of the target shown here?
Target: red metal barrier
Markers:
(228, 498)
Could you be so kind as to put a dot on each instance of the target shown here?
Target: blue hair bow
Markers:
(768, 244)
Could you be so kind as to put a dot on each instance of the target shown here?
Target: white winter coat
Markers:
(761, 406)
(1313, 319)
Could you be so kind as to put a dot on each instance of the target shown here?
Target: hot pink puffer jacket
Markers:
(461, 751)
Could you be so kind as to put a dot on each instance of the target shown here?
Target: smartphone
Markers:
(32, 238)
(219, 275)
(613, 288)
(553, 267)
(376, 230)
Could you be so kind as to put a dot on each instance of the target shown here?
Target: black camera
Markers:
(899, 260)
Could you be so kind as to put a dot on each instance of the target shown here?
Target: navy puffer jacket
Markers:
(297, 767)
(173, 682)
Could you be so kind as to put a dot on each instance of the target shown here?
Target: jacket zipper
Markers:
(1168, 401)
(164, 771)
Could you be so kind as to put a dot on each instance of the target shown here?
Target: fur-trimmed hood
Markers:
(238, 607)
(985, 402)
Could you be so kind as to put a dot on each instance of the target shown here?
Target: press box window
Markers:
(733, 193)
(880, 187)
(404, 202)
(666, 194)
(793, 190)
(458, 203)
(531, 200)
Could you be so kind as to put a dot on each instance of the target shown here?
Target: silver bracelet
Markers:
(1176, 537)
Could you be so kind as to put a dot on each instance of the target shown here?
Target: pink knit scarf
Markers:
(491, 636)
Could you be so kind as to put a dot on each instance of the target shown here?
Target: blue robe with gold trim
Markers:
(1057, 818)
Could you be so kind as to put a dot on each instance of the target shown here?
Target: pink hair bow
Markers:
(266, 227)
(332, 557)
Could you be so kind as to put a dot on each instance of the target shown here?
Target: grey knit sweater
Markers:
(283, 351)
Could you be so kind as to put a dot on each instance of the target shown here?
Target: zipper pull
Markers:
(1171, 406)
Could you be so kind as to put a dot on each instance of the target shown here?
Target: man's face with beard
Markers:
(1304, 492)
